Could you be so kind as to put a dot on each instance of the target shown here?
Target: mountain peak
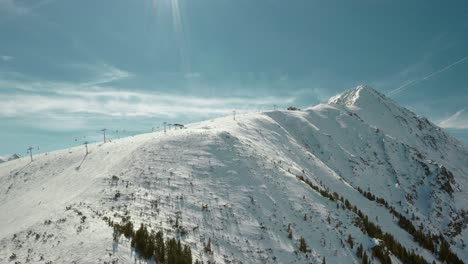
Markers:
(9, 157)
(231, 180)
(357, 96)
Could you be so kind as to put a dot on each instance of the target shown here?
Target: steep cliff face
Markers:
(252, 187)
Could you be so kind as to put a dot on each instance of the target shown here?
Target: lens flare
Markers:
(179, 29)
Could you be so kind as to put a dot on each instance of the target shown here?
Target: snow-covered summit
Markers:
(362, 95)
(253, 187)
(377, 110)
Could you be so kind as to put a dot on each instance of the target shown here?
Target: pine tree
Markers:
(350, 241)
(302, 245)
(208, 246)
(171, 251)
(443, 251)
(359, 251)
(187, 254)
(160, 249)
(365, 259)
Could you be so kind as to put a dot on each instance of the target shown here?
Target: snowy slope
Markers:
(8, 158)
(236, 183)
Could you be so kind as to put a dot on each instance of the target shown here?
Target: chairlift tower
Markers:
(104, 131)
(30, 152)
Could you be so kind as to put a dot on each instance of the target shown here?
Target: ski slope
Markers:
(235, 182)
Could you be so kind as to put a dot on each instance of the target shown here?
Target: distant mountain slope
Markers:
(8, 158)
(251, 188)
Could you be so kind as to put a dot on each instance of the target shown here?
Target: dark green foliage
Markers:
(160, 249)
(302, 245)
(446, 255)
(427, 241)
(176, 253)
(347, 204)
(365, 259)
(443, 252)
(381, 254)
(151, 245)
(116, 196)
(126, 229)
(359, 251)
(141, 241)
(207, 247)
(290, 235)
(373, 230)
(350, 241)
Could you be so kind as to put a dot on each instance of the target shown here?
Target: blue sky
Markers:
(69, 68)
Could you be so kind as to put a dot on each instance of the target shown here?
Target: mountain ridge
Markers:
(247, 174)
(6, 158)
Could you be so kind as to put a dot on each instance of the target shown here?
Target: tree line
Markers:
(426, 240)
(388, 242)
(152, 245)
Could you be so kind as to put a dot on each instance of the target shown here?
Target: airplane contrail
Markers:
(413, 82)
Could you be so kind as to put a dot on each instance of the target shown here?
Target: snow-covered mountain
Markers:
(357, 170)
(8, 157)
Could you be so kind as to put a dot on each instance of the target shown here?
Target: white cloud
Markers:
(458, 120)
(192, 75)
(317, 93)
(102, 74)
(68, 105)
(105, 73)
(12, 7)
(6, 58)
(127, 103)
(15, 8)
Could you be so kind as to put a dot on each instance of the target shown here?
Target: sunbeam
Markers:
(179, 29)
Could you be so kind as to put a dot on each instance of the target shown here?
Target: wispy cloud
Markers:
(6, 58)
(313, 95)
(413, 82)
(127, 103)
(105, 73)
(192, 75)
(101, 74)
(11, 7)
(18, 8)
(459, 120)
(55, 102)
